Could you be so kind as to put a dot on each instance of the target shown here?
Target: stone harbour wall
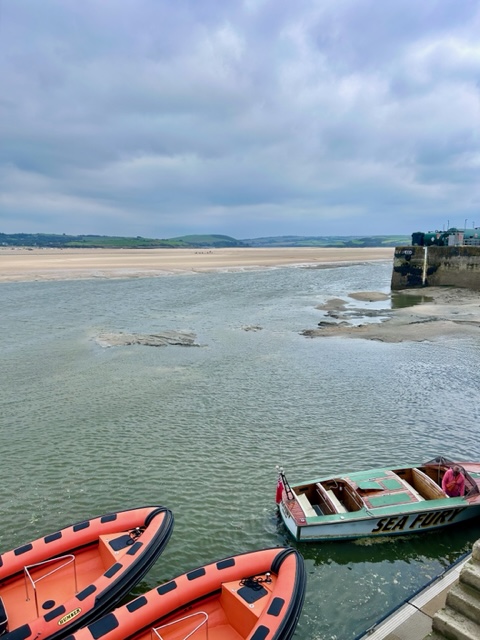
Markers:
(460, 618)
(433, 266)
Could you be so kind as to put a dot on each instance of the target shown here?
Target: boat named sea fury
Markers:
(54, 585)
(377, 502)
(255, 596)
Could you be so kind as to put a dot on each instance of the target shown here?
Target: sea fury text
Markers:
(419, 521)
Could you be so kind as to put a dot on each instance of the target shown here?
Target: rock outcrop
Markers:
(162, 339)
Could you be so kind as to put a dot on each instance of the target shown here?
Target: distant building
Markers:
(450, 238)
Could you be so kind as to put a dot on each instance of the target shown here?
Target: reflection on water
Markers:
(401, 300)
(88, 429)
(443, 547)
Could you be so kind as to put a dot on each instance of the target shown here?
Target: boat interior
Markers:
(43, 586)
(373, 489)
(229, 614)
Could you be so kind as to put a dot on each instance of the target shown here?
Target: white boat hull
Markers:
(361, 524)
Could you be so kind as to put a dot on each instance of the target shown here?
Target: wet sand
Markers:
(23, 264)
(445, 312)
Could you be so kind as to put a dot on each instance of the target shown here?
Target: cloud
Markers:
(262, 117)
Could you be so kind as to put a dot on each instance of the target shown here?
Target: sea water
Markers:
(87, 429)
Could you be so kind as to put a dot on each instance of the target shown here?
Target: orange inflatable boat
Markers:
(254, 596)
(67, 579)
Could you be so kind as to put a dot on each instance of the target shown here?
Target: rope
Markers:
(255, 582)
(135, 533)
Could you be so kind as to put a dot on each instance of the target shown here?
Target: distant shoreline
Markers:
(27, 264)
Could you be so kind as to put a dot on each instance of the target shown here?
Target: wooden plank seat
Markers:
(306, 505)
(336, 502)
(427, 487)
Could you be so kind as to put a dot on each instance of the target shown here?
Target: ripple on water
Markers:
(88, 430)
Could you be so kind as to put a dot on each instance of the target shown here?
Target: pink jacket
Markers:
(453, 486)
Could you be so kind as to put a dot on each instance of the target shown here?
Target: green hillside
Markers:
(194, 241)
(329, 241)
(209, 241)
(114, 242)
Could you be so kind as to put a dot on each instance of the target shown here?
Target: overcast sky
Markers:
(250, 118)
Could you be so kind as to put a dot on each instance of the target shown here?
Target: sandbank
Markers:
(443, 312)
(25, 264)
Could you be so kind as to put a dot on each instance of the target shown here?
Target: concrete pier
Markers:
(417, 266)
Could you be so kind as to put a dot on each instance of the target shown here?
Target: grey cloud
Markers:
(138, 117)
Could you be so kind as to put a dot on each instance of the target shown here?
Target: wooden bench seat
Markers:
(336, 502)
(304, 502)
(427, 487)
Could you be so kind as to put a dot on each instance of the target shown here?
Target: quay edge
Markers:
(420, 266)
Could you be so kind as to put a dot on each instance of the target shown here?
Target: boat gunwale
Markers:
(351, 516)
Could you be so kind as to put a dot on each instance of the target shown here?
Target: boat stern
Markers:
(289, 520)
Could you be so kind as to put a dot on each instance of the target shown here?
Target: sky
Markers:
(249, 118)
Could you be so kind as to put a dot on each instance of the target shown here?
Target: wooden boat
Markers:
(257, 595)
(377, 502)
(57, 583)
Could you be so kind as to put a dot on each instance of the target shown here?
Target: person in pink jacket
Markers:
(453, 482)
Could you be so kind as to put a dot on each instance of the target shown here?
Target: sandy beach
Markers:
(24, 264)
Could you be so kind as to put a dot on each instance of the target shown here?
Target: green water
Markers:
(401, 300)
(86, 429)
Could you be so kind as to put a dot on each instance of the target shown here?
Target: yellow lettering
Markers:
(69, 616)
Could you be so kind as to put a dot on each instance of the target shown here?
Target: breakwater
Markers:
(417, 266)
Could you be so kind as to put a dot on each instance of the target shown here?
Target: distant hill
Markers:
(194, 241)
(115, 242)
(329, 241)
(209, 241)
